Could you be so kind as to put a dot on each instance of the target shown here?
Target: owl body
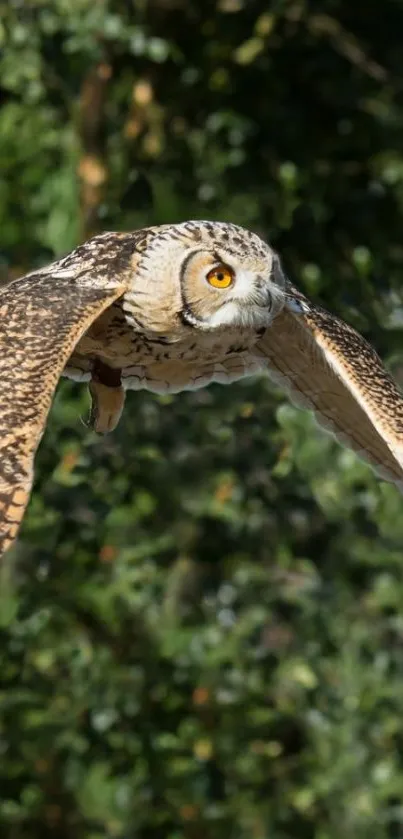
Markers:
(162, 365)
(174, 308)
(167, 335)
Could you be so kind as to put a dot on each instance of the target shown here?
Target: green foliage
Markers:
(201, 631)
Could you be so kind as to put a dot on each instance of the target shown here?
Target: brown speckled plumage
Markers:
(134, 310)
(42, 317)
(327, 367)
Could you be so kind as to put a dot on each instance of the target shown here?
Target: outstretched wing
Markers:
(42, 317)
(329, 368)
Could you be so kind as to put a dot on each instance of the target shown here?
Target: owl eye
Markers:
(222, 276)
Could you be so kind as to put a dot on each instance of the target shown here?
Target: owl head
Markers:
(204, 276)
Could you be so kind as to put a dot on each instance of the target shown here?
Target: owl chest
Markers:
(160, 364)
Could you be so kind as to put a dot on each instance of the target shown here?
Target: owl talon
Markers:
(106, 407)
(107, 398)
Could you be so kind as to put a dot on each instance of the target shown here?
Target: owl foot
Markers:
(107, 398)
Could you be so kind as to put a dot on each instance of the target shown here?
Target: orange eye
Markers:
(221, 276)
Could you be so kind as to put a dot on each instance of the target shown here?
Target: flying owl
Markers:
(174, 308)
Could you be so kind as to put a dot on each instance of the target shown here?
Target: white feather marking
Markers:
(76, 375)
(237, 314)
(234, 370)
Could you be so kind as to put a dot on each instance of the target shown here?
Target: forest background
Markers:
(202, 623)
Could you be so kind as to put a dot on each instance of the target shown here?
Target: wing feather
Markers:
(326, 366)
(42, 317)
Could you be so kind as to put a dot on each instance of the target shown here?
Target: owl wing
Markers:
(328, 367)
(42, 317)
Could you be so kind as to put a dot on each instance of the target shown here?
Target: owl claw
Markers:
(107, 398)
(106, 407)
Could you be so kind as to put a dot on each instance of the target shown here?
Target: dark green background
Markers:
(202, 624)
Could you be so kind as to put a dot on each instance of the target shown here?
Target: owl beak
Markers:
(297, 307)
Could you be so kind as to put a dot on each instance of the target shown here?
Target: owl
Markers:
(173, 308)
